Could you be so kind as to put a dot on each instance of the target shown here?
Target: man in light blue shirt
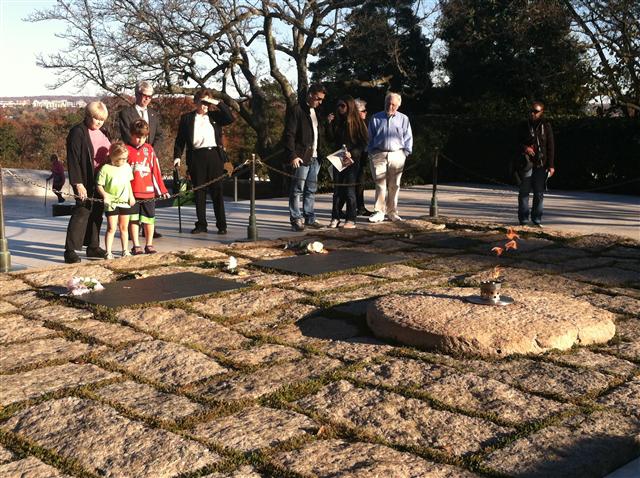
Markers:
(390, 142)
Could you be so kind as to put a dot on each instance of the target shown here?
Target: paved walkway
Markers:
(36, 239)
(284, 378)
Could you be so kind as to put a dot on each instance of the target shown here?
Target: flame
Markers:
(511, 234)
(498, 250)
(511, 245)
(495, 273)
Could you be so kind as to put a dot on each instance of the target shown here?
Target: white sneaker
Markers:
(377, 216)
(126, 254)
(395, 218)
(109, 256)
(334, 223)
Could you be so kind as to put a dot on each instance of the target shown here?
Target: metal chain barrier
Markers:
(99, 200)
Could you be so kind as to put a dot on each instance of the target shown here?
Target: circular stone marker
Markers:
(443, 320)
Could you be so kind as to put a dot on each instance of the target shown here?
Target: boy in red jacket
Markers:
(147, 184)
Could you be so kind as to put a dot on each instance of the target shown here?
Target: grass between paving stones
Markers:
(22, 447)
(84, 358)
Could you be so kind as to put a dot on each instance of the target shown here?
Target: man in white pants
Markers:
(390, 142)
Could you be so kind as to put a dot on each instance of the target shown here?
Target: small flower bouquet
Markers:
(83, 285)
(232, 265)
(307, 247)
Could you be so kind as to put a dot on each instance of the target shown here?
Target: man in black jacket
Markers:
(201, 133)
(302, 137)
(130, 114)
(538, 159)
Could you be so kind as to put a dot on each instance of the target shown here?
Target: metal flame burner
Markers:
(490, 295)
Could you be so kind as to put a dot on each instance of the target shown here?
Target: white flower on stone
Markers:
(83, 285)
(316, 247)
(232, 264)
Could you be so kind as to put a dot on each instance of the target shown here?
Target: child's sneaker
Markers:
(126, 254)
(109, 256)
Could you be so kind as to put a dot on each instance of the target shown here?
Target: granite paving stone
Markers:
(396, 271)
(625, 398)
(267, 380)
(404, 421)
(596, 242)
(174, 269)
(390, 245)
(628, 264)
(248, 302)
(347, 281)
(461, 390)
(26, 301)
(13, 286)
(579, 447)
(607, 276)
(557, 254)
(263, 354)
(60, 277)
(205, 254)
(30, 467)
(180, 326)
(333, 458)
(34, 383)
(255, 427)
(26, 354)
(381, 289)
(15, 328)
(107, 443)
(164, 362)
(263, 279)
(147, 401)
(623, 252)
(318, 327)
(107, 332)
(142, 261)
(588, 262)
(355, 349)
(6, 307)
(274, 318)
(620, 304)
(264, 253)
(5, 455)
(242, 472)
(519, 278)
(624, 350)
(596, 361)
(60, 313)
(545, 378)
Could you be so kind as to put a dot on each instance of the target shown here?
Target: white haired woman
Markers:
(87, 150)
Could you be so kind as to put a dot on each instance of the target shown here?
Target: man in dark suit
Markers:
(130, 114)
(200, 132)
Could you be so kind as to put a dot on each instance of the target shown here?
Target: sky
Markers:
(20, 43)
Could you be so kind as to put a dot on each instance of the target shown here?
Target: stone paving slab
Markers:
(319, 327)
(204, 253)
(579, 447)
(13, 286)
(34, 383)
(333, 458)
(607, 276)
(242, 472)
(246, 303)
(267, 380)
(589, 262)
(274, 318)
(6, 307)
(164, 362)
(180, 326)
(604, 363)
(60, 313)
(15, 328)
(142, 261)
(30, 468)
(623, 252)
(545, 378)
(254, 428)
(26, 301)
(107, 332)
(355, 349)
(149, 402)
(261, 253)
(60, 277)
(403, 421)
(396, 271)
(625, 398)
(109, 444)
(263, 354)
(263, 279)
(5, 455)
(462, 390)
(27, 354)
(620, 304)
(346, 281)
(441, 319)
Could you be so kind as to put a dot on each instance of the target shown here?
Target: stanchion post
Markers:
(252, 231)
(433, 209)
(235, 189)
(5, 255)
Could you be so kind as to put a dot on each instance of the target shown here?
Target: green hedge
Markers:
(600, 153)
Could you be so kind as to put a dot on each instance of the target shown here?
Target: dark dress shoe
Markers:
(156, 234)
(71, 257)
(222, 231)
(198, 230)
(364, 212)
(97, 252)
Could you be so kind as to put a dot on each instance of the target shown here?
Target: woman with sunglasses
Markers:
(348, 130)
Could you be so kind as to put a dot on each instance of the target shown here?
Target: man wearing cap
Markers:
(200, 132)
(390, 142)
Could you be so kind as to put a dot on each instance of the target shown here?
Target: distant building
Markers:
(50, 104)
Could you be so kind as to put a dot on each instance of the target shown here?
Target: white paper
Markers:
(336, 160)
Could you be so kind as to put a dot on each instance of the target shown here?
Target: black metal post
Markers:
(252, 231)
(433, 209)
(5, 255)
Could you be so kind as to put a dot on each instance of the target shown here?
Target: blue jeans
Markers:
(535, 183)
(303, 190)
